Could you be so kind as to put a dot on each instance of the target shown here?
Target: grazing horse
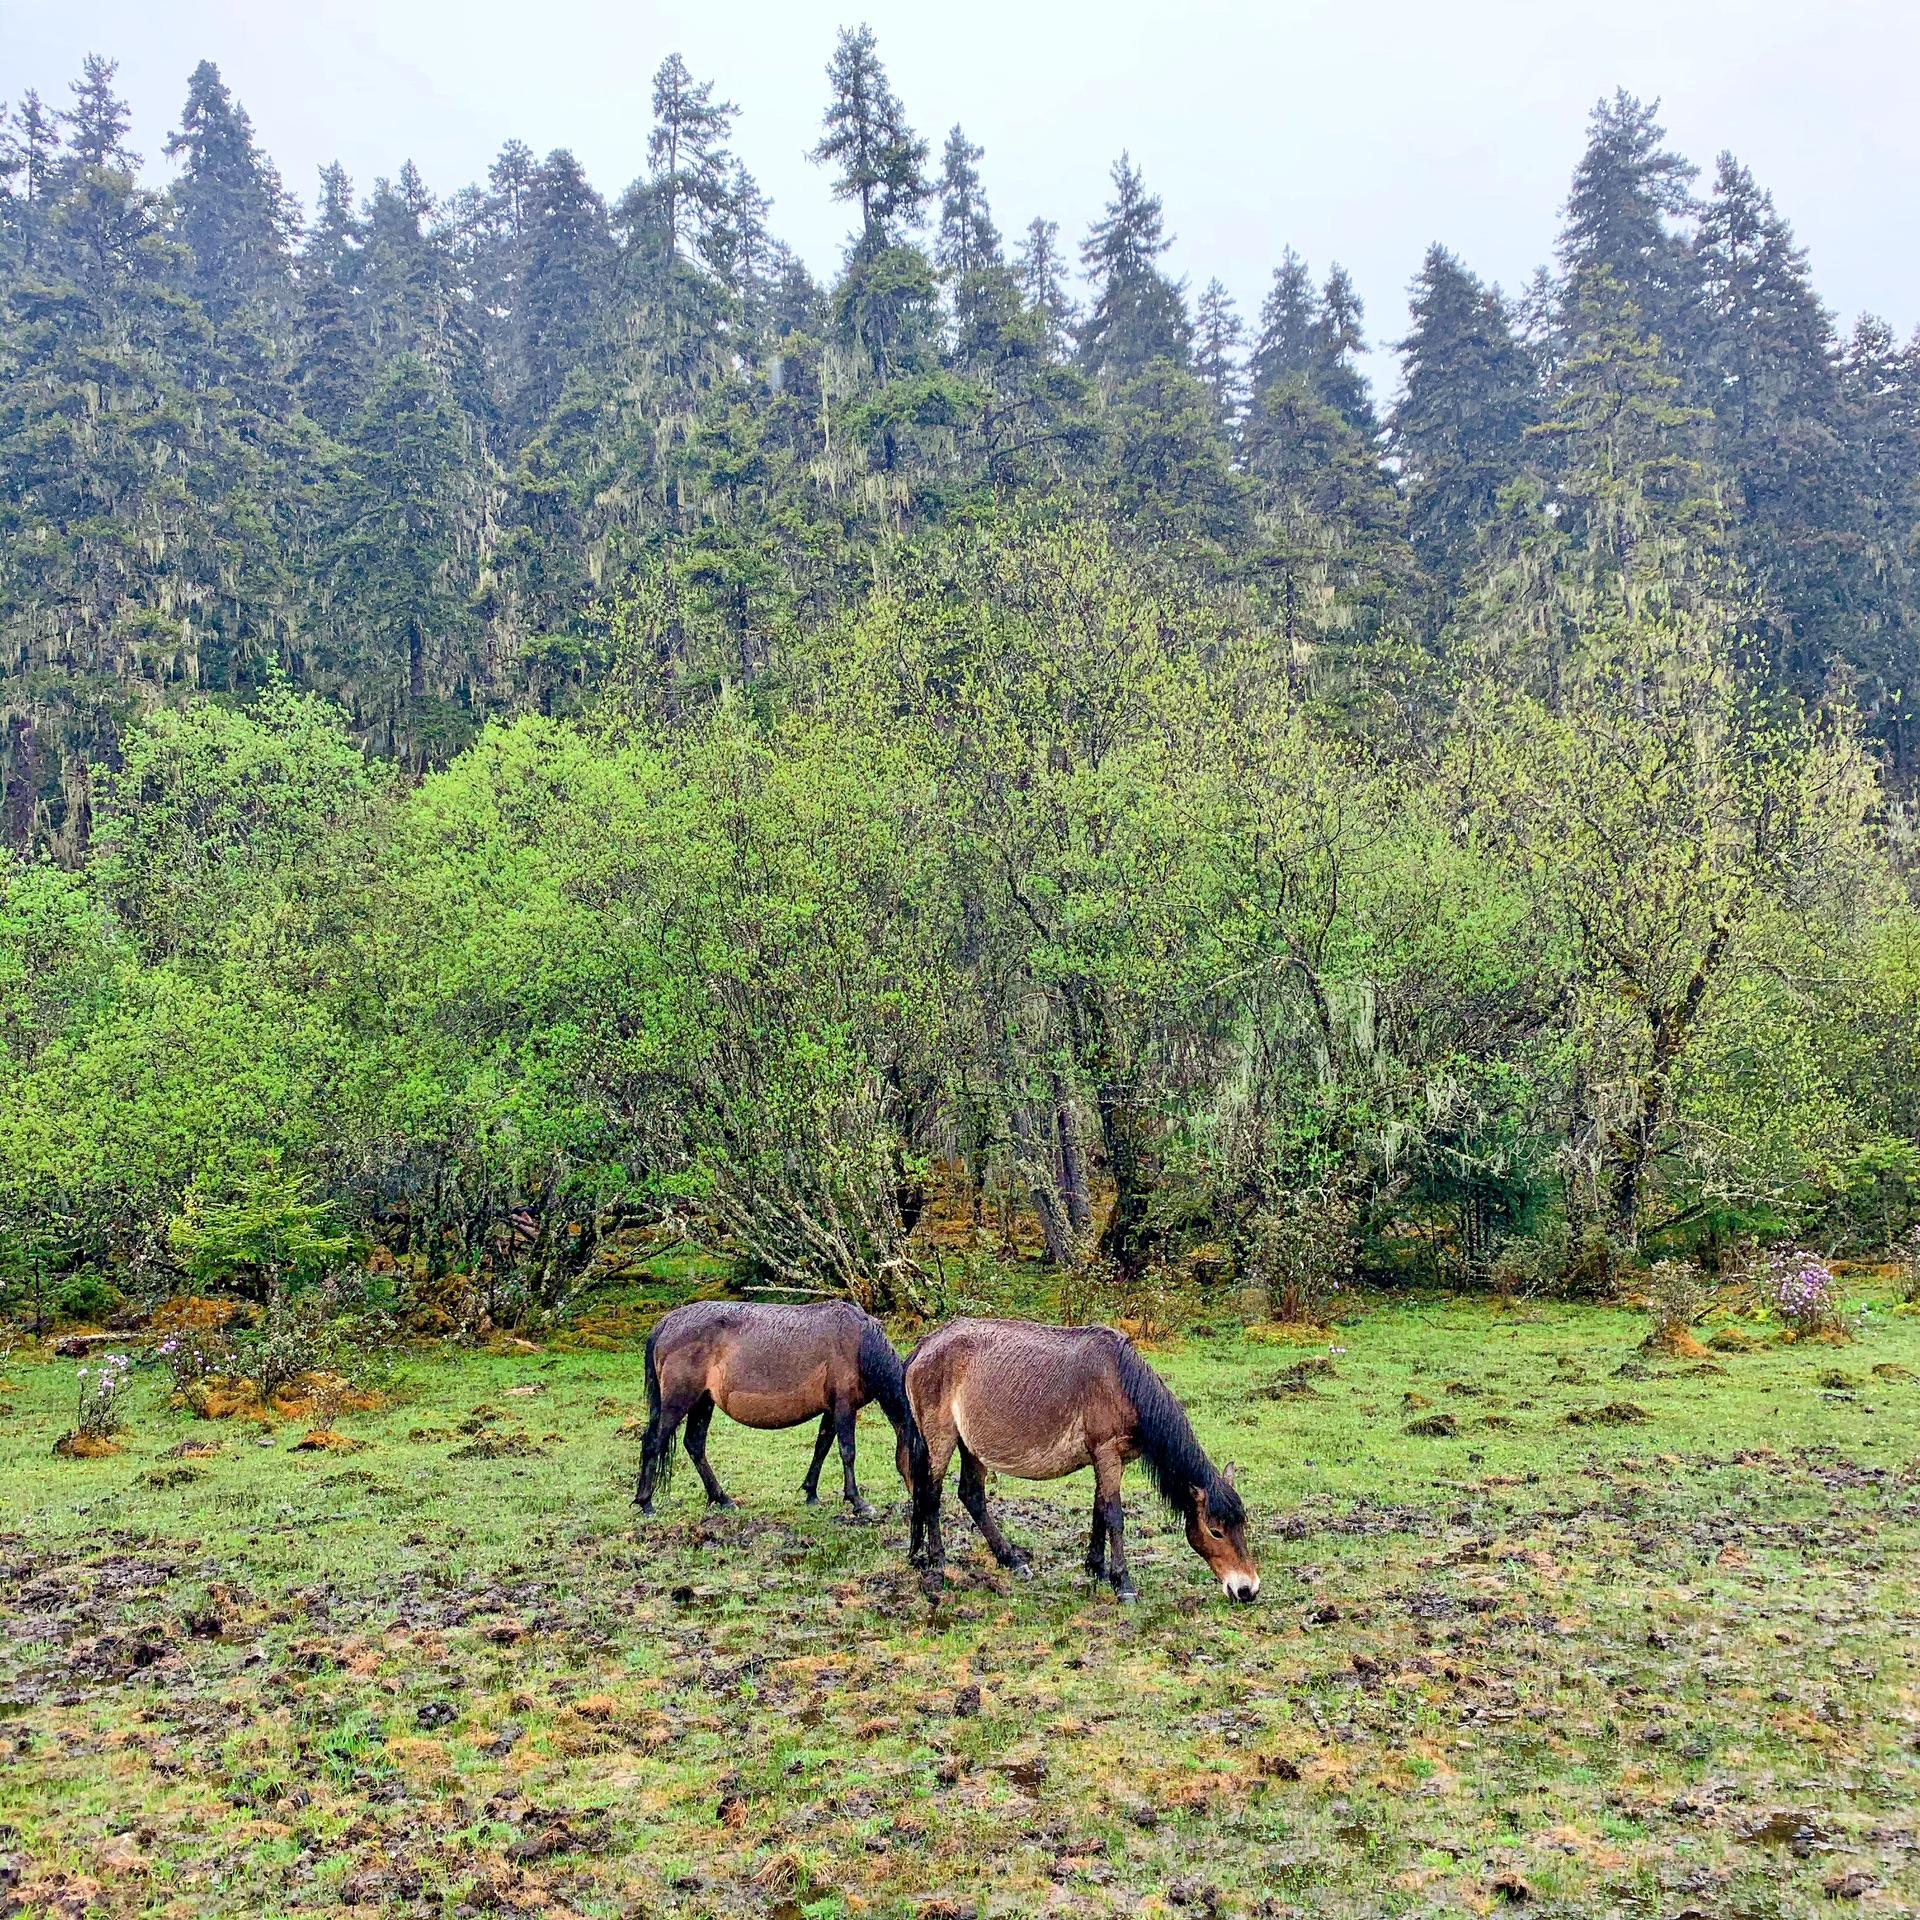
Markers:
(1038, 1402)
(769, 1366)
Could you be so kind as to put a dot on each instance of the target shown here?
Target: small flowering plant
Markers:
(194, 1353)
(1801, 1289)
(101, 1392)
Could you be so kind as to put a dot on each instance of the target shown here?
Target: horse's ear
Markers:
(1228, 1475)
(1200, 1501)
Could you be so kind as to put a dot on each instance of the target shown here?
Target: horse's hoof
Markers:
(646, 1508)
(1024, 1568)
(1126, 1595)
(725, 1500)
(813, 1499)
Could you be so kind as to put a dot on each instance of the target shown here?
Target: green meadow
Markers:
(1612, 1635)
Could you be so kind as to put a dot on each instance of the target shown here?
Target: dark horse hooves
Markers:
(725, 1500)
(1126, 1595)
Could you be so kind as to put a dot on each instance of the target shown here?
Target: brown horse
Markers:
(1038, 1402)
(768, 1366)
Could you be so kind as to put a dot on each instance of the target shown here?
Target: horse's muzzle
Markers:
(1240, 1586)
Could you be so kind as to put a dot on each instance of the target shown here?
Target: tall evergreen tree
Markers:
(692, 171)
(568, 252)
(967, 241)
(1289, 340)
(1308, 344)
(1765, 365)
(1627, 189)
(99, 120)
(1467, 400)
(1042, 273)
(1138, 314)
(881, 160)
(1337, 377)
(230, 207)
(330, 365)
(1218, 335)
(1880, 390)
(32, 150)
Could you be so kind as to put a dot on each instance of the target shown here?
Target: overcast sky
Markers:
(1357, 132)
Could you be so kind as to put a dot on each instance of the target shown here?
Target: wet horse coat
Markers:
(1038, 1402)
(767, 1366)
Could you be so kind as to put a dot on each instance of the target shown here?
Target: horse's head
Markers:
(1217, 1532)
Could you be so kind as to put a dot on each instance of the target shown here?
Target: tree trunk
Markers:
(1033, 1159)
(1073, 1162)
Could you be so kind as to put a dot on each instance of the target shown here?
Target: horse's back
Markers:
(1030, 1400)
(766, 1364)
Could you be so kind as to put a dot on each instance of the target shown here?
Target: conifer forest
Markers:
(530, 719)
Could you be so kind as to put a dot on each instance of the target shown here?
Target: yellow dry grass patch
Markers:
(1286, 1333)
(1596, 1853)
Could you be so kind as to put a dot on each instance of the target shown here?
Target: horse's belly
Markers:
(779, 1408)
(1027, 1456)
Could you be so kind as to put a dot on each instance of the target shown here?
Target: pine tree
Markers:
(99, 120)
(1138, 315)
(967, 241)
(1307, 347)
(330, 369)
(866, 136)
(1467, 400)
(1881, 413)
(1337, 378)
(687, 151)
(335, 233)
(1626, 189)
(1289, 341)
(1042, 274)
(568, 254)
(1219, 333)
(31, 151)
(1766, 366)
(230, 207)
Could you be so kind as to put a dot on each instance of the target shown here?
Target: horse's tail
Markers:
(663, 1444)
(883, 1379)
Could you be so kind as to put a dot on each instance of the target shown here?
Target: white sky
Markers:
(1356, 132)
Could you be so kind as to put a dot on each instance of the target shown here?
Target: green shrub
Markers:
(86, 1297)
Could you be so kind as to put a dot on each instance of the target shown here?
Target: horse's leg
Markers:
(1097, 1541)
(810, 1486)
(697, 1423)
(1110, 1515)
(657, 1443)
(843, 1419)
(973, 1496)
(928, 1548)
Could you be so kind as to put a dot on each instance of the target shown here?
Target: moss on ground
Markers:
(1561, 1656)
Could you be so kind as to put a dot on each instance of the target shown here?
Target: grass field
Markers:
(1560, 1658)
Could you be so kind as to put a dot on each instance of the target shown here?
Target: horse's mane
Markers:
(1174, 1457)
